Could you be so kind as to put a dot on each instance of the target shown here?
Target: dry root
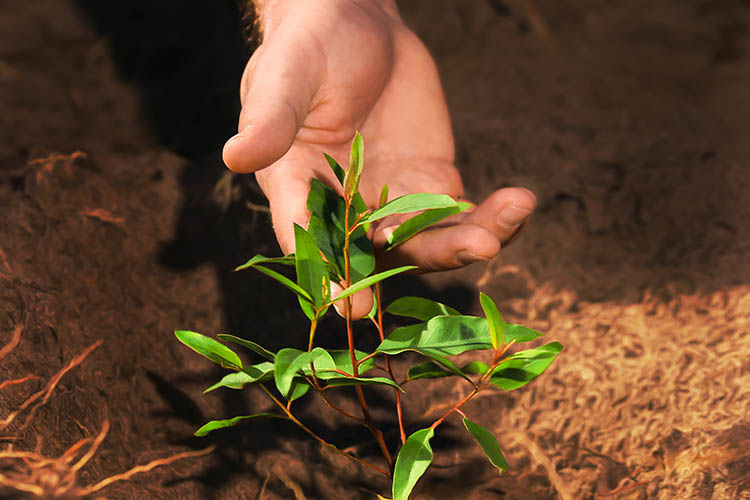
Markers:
(34, 475)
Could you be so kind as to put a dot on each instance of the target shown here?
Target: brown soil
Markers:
(628, 119)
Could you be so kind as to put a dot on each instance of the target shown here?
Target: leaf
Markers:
(287, 260)
(291, 285)
(411, 203)
(522, 367)
(289, 361)
(371, 280)
(489, 444)
(428, 369)
(210, 348)
(339, 172)
(249, 344)
(413, 460)
(475, 368)
(299, 388)
(420, 308)
(326, 227)
(520, 333)
(343, 360)
(307, 308)
(421, 222)
(220, 424)
(356, 161)
(336, 379)
(374, 309)
(312, 275)
(383, 195)
(494, 320)
(445, 335)
(248, 375)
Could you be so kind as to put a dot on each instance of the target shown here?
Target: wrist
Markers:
(270, 13)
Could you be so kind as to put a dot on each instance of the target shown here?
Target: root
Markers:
(14, 339)
(55, 478)
(88, 490)
(46, 392)
(542, 459)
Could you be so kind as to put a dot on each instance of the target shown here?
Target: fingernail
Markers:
(466, 257)
(512, 216)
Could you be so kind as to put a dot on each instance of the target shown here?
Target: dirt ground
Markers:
(117, 223)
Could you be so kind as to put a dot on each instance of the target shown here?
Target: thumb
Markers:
(277, 89)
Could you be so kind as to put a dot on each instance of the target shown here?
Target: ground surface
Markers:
(628, 119)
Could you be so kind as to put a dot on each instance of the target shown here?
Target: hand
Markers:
(323, 73)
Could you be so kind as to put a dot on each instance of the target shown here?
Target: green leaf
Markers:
(428, 369)
(220, 424)
(383, 195)
(248, 375)
(411, 203)
(336, 379)
(475, 368)
(339, 172)
(343, 360)
(248, 344)
(356, 161)
(287, 260)
(489, 444)
(326, 227)
(420, 308)
(522, 367)
(413, 460)
(312, 275)
(519, 334)
(290, 361)
(371, 280)
(299, 388)
(445, 335)
(494, 320)
(374, 309)
(210, 348)
(421, 222)
(291, 285)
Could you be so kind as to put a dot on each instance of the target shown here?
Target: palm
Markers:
(312, 84)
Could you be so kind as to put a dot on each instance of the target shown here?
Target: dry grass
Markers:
(648, 400)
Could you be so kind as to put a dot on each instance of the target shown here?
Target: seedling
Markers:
(335, 249)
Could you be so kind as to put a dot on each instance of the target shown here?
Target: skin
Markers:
(321, 74)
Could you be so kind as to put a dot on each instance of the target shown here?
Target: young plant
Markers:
(335, 248)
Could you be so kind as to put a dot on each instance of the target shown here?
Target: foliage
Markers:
(335, 249)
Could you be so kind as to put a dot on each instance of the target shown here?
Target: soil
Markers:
(119, 223)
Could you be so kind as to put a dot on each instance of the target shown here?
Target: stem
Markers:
(499, 354)
(399, 410)
(377, 434)
(318, 438)
(369, 356)
(330, 403)
(313, 327)
(477, 388)
(455, 407)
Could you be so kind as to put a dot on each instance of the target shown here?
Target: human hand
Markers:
(323, 73)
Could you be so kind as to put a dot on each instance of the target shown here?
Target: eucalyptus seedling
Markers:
(335, 249)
